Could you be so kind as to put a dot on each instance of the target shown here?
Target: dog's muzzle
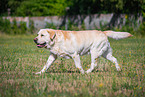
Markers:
(38, 44)
(35, 40)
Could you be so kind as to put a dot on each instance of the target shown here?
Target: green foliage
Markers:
(5, 26)
(105, 6)
(129, 26)
(40, 7)
(75, 26)
(69, 7)
(15, 28)
(50, 25)
(31, 26)
(14, 5)
(23, 27)
(141, 29)
(70, 26)
(3, 7)
(18, 28)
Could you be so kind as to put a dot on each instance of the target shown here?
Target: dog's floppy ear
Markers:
(52, 34)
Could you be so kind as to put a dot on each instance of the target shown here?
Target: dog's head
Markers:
(45, 38)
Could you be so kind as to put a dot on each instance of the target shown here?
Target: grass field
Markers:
(20, 59)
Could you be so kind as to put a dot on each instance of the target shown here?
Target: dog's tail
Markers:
(117, 35)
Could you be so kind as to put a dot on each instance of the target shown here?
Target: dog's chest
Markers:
(67, 53)
(58, 51)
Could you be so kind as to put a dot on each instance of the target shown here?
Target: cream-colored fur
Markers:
(73, 44)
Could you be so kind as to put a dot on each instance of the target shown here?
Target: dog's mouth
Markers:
(41, 45)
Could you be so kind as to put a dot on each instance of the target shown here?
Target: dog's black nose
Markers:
(35, 40)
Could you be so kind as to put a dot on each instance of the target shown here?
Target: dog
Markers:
(73, 44)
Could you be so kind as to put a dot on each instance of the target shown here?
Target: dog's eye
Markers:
(42, 35)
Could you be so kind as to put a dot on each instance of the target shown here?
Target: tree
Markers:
(58, 7)
(40, 7)
(106, 6)
(13, 5)
(3, 6)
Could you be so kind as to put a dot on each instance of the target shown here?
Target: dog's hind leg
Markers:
(94, 57)
(50, 60)
(108, 55)
(96, 52)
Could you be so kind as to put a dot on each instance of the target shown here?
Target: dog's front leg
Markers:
(50, 60)
(77, 61)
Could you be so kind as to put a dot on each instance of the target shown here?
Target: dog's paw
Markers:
(88, 71)
(83, 72)
(118, 69)
(38, 72)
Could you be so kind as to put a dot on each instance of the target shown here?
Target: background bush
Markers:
(21, 28)
(15, 28)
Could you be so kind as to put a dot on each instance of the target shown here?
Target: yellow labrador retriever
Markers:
(73, 44)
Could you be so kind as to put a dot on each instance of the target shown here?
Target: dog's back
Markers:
(80, 41)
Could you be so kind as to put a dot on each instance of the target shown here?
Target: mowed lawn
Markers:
(20, 59)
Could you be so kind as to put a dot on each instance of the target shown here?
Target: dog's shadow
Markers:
(76, 71)
(68, 71)
(63, 71)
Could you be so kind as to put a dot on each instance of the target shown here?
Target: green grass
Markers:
(20, 59)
